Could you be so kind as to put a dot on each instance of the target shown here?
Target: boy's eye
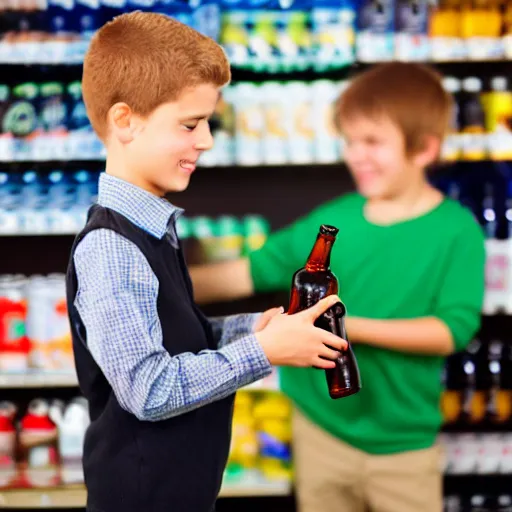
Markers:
(190, 127)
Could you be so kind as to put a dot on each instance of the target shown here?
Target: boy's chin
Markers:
(178, 185)
(372, 192)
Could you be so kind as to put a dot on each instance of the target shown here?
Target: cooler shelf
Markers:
(37, 380)
(75, 497)
(65, 380)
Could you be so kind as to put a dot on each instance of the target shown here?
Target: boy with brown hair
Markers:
(411, 265)
(160, 377)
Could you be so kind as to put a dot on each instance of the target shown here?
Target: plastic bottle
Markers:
(376, 31)
(411, 36)
(249, 124)
(474, 138)
(274, 139)
(298, 104)
(38, 446)
(497, 267)
(451, 149)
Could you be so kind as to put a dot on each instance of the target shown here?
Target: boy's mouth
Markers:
(188, 166)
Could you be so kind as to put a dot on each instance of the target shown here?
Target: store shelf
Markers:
(37, 380)
(45, 498)
(46, 52)
(53, 380)
(75, 497)
(34, 233)
(244, 489)
(75, 146)
(72, 52)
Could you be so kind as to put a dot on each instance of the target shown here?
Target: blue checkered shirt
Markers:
(117, 302)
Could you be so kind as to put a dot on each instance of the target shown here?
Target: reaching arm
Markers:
(427, 335)
(225, 281)
(117, 302)
(268, 269)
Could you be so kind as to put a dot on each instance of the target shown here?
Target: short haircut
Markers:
(410, 95)
(145, 60)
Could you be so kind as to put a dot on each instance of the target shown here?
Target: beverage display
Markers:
(41, 442)
(35, 334)
(274, 36)
(478, 389)
(312, 283)
(489, 502)
(39, 203)
(271, 123)
(46, 121)
(38, 460)
(482, 454)
(261, 442)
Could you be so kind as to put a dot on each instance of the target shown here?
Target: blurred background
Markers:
(276, 157)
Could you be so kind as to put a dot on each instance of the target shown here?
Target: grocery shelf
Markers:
(33, 233)
(72, 497)
(37, 380)
(56, 380)
(75, 496)
(253, 489)
(72, 53)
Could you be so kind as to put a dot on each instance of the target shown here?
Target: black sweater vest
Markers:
(175, 465)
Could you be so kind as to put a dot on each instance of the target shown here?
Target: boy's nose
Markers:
(204, 137)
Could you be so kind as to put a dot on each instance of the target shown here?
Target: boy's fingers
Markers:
(323, 364)
(320, 307)
(265, 318)
(330, 354)
(333, 341)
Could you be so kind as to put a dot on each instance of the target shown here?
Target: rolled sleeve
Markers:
(460, 299)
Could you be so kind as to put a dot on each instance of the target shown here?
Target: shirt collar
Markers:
(147, 211)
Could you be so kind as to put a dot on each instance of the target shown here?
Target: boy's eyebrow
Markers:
(197, 117)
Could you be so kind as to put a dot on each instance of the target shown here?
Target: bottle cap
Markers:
(325, 229)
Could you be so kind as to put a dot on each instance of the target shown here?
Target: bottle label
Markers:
(496, 272)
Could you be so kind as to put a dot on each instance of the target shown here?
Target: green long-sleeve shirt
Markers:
(431, 265)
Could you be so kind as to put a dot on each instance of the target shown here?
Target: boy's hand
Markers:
(265, 318)
(293, 340)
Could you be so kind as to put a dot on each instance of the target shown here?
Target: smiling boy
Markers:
(158, 375)
(411, 268)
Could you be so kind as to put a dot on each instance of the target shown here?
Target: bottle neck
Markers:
(320, 257)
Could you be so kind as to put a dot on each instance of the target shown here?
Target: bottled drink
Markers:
(312, 283)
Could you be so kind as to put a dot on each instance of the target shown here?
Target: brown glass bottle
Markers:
(312, 283)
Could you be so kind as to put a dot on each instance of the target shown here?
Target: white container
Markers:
(72, 425)
(327, 140)
(464, 454)
(275, 136)
(48, 324)
(301, 136)
(489, 454)
(506, 453)
(249, 124)
(497, 276)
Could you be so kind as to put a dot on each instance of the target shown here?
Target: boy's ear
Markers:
(428, 153)
(124, 124)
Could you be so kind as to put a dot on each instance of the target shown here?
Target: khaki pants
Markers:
(332, 476)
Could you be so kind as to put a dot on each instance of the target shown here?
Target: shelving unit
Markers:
(75, 496)
(296, 189)
(37, 380)
(51, 381)
(45, 498)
